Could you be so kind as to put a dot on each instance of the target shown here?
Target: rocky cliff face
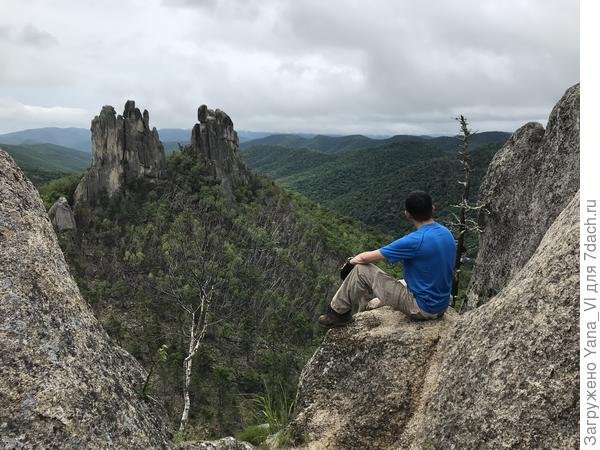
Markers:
(62, 382)
(510, 379)
(124, 148)
(504, 375)
(216, 142)
(528, 184)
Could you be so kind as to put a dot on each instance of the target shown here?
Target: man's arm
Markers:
(367, 257)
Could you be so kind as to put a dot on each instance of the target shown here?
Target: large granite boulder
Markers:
(61, 215)
(63, 384)
(510, 379)
(528, 183)
(365, 383)
(216, 142)
(124, 149)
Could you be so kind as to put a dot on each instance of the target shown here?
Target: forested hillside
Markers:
(268, 261)
(371, 184)
(45, 162)
(339, 144)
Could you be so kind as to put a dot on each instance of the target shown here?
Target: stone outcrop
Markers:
(216, 142)
(363, 385)
(226, 443)
(528, 183)
(510, 379)
(124, 149)
(62, 382)
(61, 215)
(504, 375)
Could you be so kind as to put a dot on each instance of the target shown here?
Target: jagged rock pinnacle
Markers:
(215, 140)
(124, 148)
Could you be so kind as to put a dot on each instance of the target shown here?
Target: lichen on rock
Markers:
(226, 443)
(63, 383)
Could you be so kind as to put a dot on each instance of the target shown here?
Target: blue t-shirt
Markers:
(428, 256)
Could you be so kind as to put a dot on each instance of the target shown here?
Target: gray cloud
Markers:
(341, 66)
(33, 36)
(27, 34)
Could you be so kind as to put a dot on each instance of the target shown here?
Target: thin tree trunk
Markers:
(187, 364)
(187, 368)
(460, 242)
(462, 217)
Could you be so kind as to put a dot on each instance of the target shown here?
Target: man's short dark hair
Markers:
(419, 205)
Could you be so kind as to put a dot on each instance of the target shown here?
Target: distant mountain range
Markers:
(45, 162)
(80, 138)
(331, 170)
(338, 144)
(74, 138)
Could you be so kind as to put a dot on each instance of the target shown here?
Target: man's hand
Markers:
(367, 257)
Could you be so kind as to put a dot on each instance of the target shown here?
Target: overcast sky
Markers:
(336, 66)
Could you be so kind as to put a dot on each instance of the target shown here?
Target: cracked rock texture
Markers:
(63, 384)
(363, 385)
(216, 142)
(528, 183)
(124, 149)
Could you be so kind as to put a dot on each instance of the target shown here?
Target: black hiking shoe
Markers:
(333, 319)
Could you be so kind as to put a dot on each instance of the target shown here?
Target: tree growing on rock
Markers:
(463, 223)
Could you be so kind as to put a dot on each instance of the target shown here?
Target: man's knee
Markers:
(366, 269)
(366, 273)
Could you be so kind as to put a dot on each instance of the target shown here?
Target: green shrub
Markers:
(61, 187)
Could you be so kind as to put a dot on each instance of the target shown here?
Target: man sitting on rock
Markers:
(428, 256)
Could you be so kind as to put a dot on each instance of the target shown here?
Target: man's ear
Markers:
(407, 215)
(433, 208)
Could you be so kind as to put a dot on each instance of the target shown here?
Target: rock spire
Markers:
(216, 142)
(124, 148)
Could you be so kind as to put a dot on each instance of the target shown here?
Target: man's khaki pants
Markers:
(367, 281)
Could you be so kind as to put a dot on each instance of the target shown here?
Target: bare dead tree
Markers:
(198, 323)
(462, 222)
